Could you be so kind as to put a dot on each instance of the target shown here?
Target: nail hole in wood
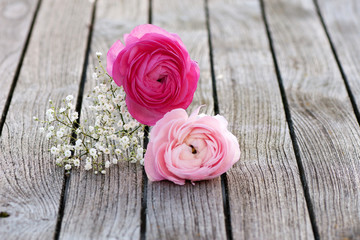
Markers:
(4, 214)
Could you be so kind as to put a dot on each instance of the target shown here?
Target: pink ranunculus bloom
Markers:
(155, 71)
(195, 148)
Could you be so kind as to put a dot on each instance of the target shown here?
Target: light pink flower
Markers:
(193, 148)
(155, 70)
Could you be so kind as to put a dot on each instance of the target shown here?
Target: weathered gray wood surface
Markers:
(194, 212)
(106, 206)
(265, 192)
(15, 22)
(342, 18)
(326, 129)
(30, 182)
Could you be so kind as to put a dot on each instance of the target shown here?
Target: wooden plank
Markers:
(342, 19)
(15, 22)
(192, 212)
(265, 192)
(98, 206)
(30, 182)
(326, 129)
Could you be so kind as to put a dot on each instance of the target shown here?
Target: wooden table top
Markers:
(285, 73)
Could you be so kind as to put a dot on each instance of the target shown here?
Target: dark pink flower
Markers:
(193, 148)
(155, 71)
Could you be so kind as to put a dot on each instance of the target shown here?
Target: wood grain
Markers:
(106, 206)
(265, 193)
(30, 182)
(342, 20)
(15, 21)
(192, 212)
(325, 126)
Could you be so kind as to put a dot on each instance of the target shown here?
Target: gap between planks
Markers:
(291, 126)
(66, 181)
(224, 182)
(341, 69)
(18, 68)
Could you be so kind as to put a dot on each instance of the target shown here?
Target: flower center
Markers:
(193, 149)
(161, 80)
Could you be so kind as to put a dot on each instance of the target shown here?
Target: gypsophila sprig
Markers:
(112, 136)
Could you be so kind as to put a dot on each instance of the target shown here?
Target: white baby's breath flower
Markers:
(133, 124)
(78, 142)
(50, 118)
(106, 151)
(123, 108)
(112, 137)
(122, 92)
(78, 148)
(91, 128)
(98, 54)
(96, 89)
(98, 108)
(140, 134)
(67, 153)
(88, 160)
(74, 116)
(61, 110)
(94, 75)
(50, 112)
(67, 167)
(116, 100)
(120, 123)
(68, 147)
(42, 129)
(106, 118)
(88, 166)
(70, 105)
(107, 164)
(98, 145)
(54, 150)
(127, 127)
(114, 161)
(100, 131)
(102, 138)
(110, 107)
(140, 151)
(59, 160)
(125, 140)
(118, 151)
(49, 135)
(51, 128)
(134, 140)
(59, 134)
(93, 152)
(142, 161)
(101, 98)
(104, 88)
(127, 115)
(111, 130)
(76, 162)
(103, 172)
(69, 98)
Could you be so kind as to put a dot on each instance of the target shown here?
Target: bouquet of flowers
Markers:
(149, 80)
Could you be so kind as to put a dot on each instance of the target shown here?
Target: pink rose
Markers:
(155, 71)
(193, 148)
